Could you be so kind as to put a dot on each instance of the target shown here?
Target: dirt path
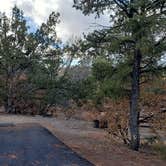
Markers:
(88, 142)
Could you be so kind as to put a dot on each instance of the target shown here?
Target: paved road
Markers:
(33, 145)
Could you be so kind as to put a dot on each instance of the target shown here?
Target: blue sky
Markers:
(73, 22)
(31, 24)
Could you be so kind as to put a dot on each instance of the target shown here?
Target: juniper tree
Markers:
(35, 56)
(16, 48)
(137, 34)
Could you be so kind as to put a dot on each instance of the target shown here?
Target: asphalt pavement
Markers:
(33, 145)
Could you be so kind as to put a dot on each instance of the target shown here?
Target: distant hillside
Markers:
(78, 73)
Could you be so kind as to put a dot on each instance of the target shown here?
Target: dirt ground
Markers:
(89, 142)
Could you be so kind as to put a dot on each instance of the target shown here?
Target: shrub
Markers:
(117, 114)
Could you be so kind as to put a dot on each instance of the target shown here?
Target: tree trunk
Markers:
(134, 110)
(9, 99)
(9, 107)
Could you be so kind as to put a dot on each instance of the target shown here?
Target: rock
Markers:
(2, 109)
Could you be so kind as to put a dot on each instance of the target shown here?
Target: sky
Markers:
(73, 22)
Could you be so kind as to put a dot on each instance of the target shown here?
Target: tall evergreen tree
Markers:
(30, 61)
(15, 54)
(137, 35)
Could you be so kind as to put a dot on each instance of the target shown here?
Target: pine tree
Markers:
(35, 56)
(15, 57)
(137, 35)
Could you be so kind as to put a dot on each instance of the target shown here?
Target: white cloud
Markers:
(73, 22)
